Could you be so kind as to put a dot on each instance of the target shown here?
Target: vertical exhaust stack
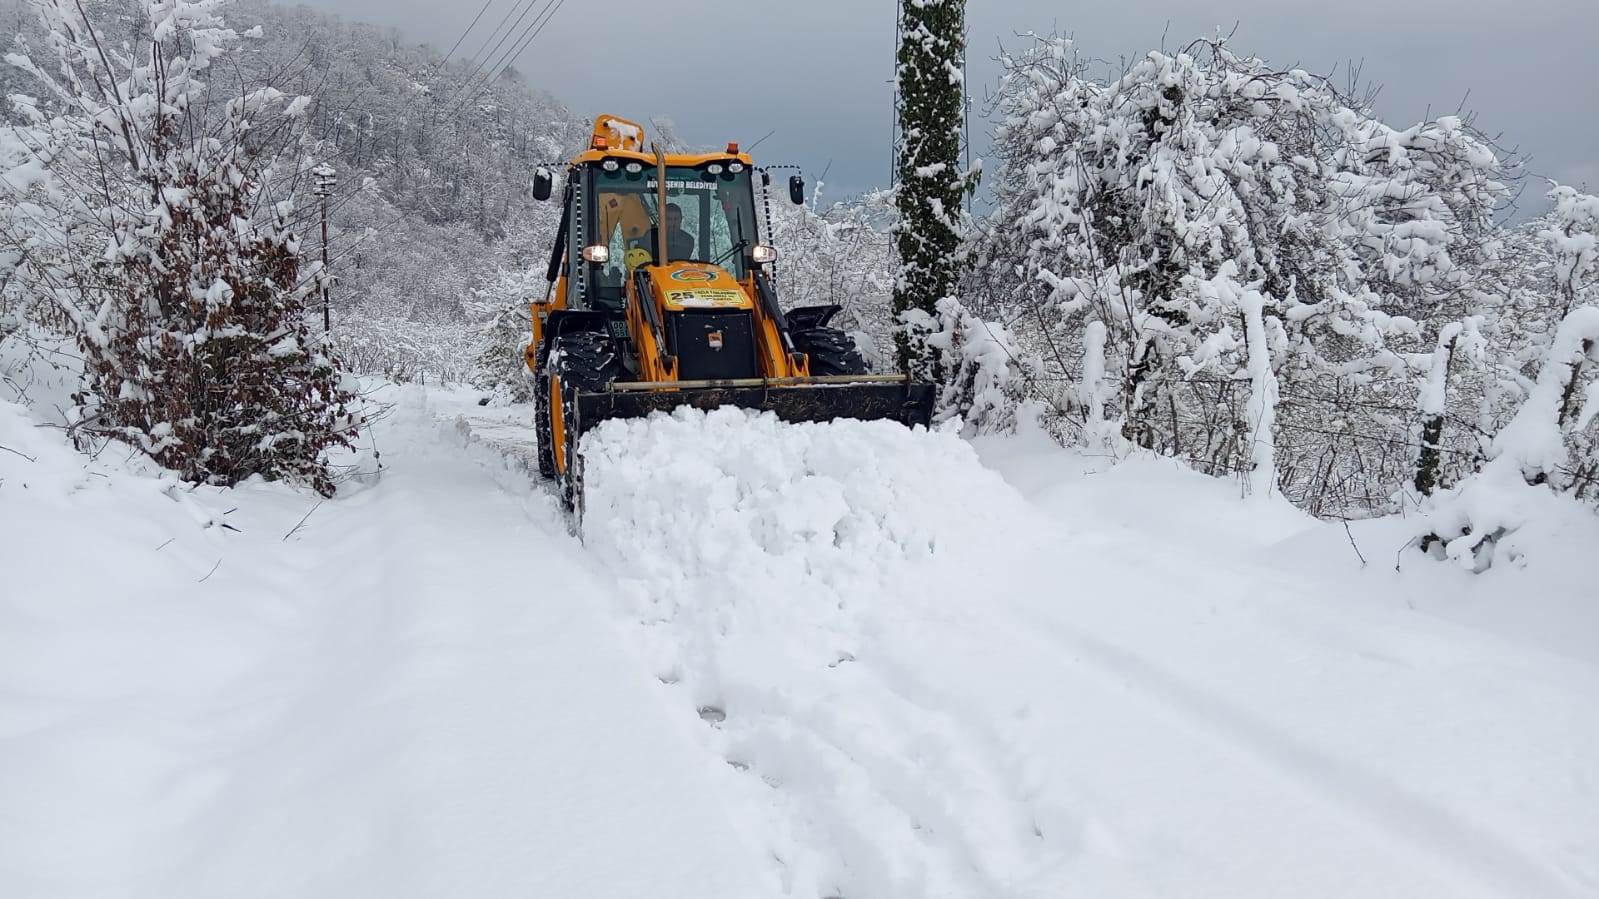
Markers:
(660, 204)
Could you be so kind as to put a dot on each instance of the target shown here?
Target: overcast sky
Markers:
(816, 72)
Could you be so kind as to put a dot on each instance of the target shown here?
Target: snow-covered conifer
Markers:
(930, 107)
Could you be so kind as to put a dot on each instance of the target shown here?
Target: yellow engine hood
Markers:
(698, 285)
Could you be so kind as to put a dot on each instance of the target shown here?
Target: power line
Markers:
(548, 14)
(503, 20)
(503, 32)
(457, 44)
(518, 46)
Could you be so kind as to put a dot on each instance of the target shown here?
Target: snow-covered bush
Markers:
(984, 372)
(1547, 446)
(505, 307)
(1166, 205)
(189, 308)
(842, 254)
(1551, 444)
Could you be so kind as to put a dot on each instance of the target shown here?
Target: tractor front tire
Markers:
(541, 424)
(581, 361)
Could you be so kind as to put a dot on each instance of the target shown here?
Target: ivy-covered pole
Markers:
(928, 81)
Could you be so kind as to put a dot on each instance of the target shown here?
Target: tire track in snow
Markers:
(1367, 794)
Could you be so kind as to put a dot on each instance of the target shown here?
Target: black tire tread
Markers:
(584, 361)
(832, 352)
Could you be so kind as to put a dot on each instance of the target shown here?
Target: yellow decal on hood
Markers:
(706, 298)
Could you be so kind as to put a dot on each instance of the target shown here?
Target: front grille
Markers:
(713, 345)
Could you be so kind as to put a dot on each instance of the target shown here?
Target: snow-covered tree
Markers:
(986, 374)
(504, 305)
(1564, 401)
(151, 218)
(931, 185)
(1241, 233)
(841, 254)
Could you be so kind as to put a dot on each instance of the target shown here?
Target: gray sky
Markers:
(817, 72)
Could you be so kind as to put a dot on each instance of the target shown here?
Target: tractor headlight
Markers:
(610, 165)
(714, 168)
(597, 253)
(762, 254)
(633, 168)
(735, 167)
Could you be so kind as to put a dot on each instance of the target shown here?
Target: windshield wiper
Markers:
(738, 217)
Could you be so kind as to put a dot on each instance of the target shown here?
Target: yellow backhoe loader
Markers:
(660, 295)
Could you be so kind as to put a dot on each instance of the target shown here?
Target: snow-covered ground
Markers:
(419, 692)
(846, 660)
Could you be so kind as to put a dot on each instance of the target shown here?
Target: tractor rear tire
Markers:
(832, 351)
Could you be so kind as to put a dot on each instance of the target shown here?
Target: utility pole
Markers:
(893, 104)
(324, 188)
(966, 113)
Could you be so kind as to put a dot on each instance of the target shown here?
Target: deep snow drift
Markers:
(846, 660)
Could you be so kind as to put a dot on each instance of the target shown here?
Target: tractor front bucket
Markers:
(863, 397)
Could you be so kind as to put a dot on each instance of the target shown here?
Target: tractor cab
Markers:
(668, 252)
(709, 218)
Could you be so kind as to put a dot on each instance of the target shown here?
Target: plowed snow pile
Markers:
(767, 561)
(751, 504)
(922, 684)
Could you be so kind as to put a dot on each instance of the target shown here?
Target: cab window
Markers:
(716, 208)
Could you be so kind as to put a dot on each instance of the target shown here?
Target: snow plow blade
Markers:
(863, 397)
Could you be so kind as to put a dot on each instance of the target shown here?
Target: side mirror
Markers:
(543, 183)
(796, 189)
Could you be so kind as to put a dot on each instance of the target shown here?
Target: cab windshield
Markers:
(709, 216)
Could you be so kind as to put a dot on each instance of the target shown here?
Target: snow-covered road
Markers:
(809, 661)
(418, 693)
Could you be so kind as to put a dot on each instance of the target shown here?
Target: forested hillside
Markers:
(432, 157)
(434, 161)
(436, 243)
